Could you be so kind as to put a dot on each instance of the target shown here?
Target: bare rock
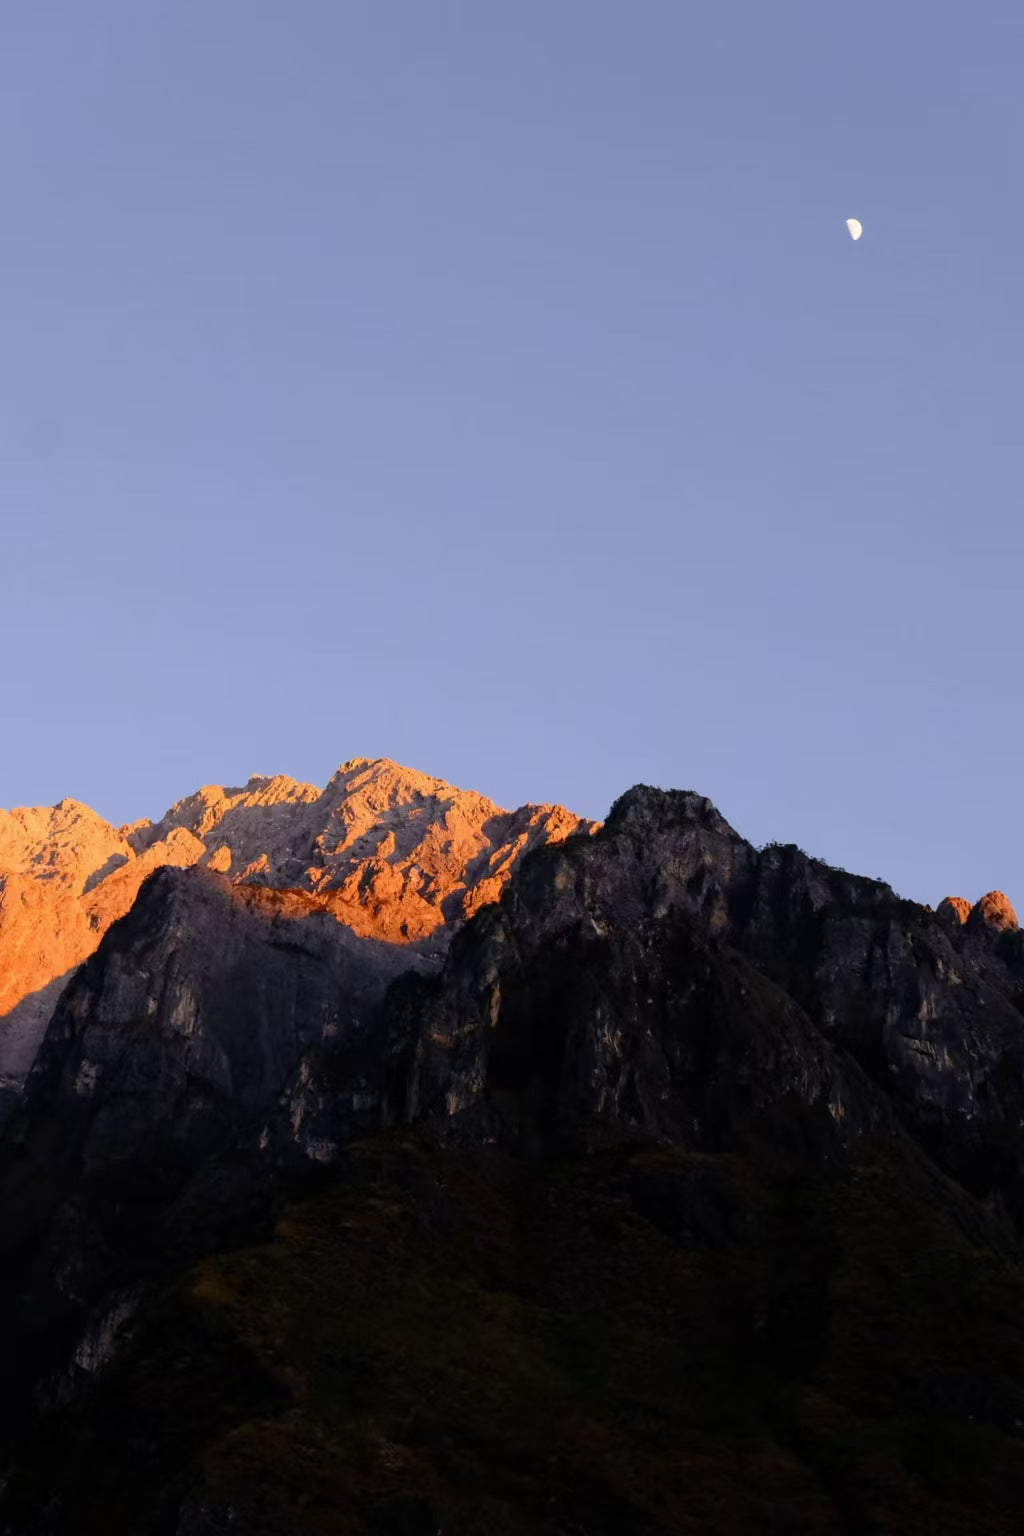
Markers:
(994, 911)
(392, 854)
(953, 910)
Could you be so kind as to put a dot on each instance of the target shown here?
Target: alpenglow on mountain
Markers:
(393, 854)
(378, 1161)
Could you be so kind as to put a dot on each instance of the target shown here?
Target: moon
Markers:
(855, 227)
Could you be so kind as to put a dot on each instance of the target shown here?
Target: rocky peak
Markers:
(396, 855)
(63, 844)
(994, 911)
(953, 910)
(645, 808)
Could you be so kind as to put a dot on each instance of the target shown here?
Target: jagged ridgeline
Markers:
(382, 1161)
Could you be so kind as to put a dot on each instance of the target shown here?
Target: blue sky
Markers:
(496, 388)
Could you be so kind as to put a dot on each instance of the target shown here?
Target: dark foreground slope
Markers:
(686, 1198)
(611, 1340)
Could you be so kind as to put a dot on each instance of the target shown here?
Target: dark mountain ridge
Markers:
(685, 1192)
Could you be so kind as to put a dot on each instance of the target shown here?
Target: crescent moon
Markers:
(855, 227)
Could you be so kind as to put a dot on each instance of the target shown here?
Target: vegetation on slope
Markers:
(613, 1341)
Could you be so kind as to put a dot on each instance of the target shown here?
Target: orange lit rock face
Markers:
(995, 911)
(393, 854)
(954, 909)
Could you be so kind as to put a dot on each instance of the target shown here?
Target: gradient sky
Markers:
(495, 387)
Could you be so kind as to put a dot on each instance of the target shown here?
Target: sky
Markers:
(497, 388)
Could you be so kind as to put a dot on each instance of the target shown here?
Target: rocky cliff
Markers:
(681, 1191)
(638, 966)
(393, 854)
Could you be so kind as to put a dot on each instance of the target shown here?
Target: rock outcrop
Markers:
(995, 911)
(393, 854)
(953, 910)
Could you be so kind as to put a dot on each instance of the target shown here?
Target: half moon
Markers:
(855, 227)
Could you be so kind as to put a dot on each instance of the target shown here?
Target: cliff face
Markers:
(193, 1016)
(674, 1113)
(666, 971)
(65, 876)
(393, 854)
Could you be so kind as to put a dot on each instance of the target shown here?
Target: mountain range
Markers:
(377, 1160)
(393, 854)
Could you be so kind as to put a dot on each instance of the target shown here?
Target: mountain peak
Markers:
(994, 911)
(403, 857)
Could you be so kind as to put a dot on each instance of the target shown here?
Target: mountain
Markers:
(679, 1190)
(392, 854)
